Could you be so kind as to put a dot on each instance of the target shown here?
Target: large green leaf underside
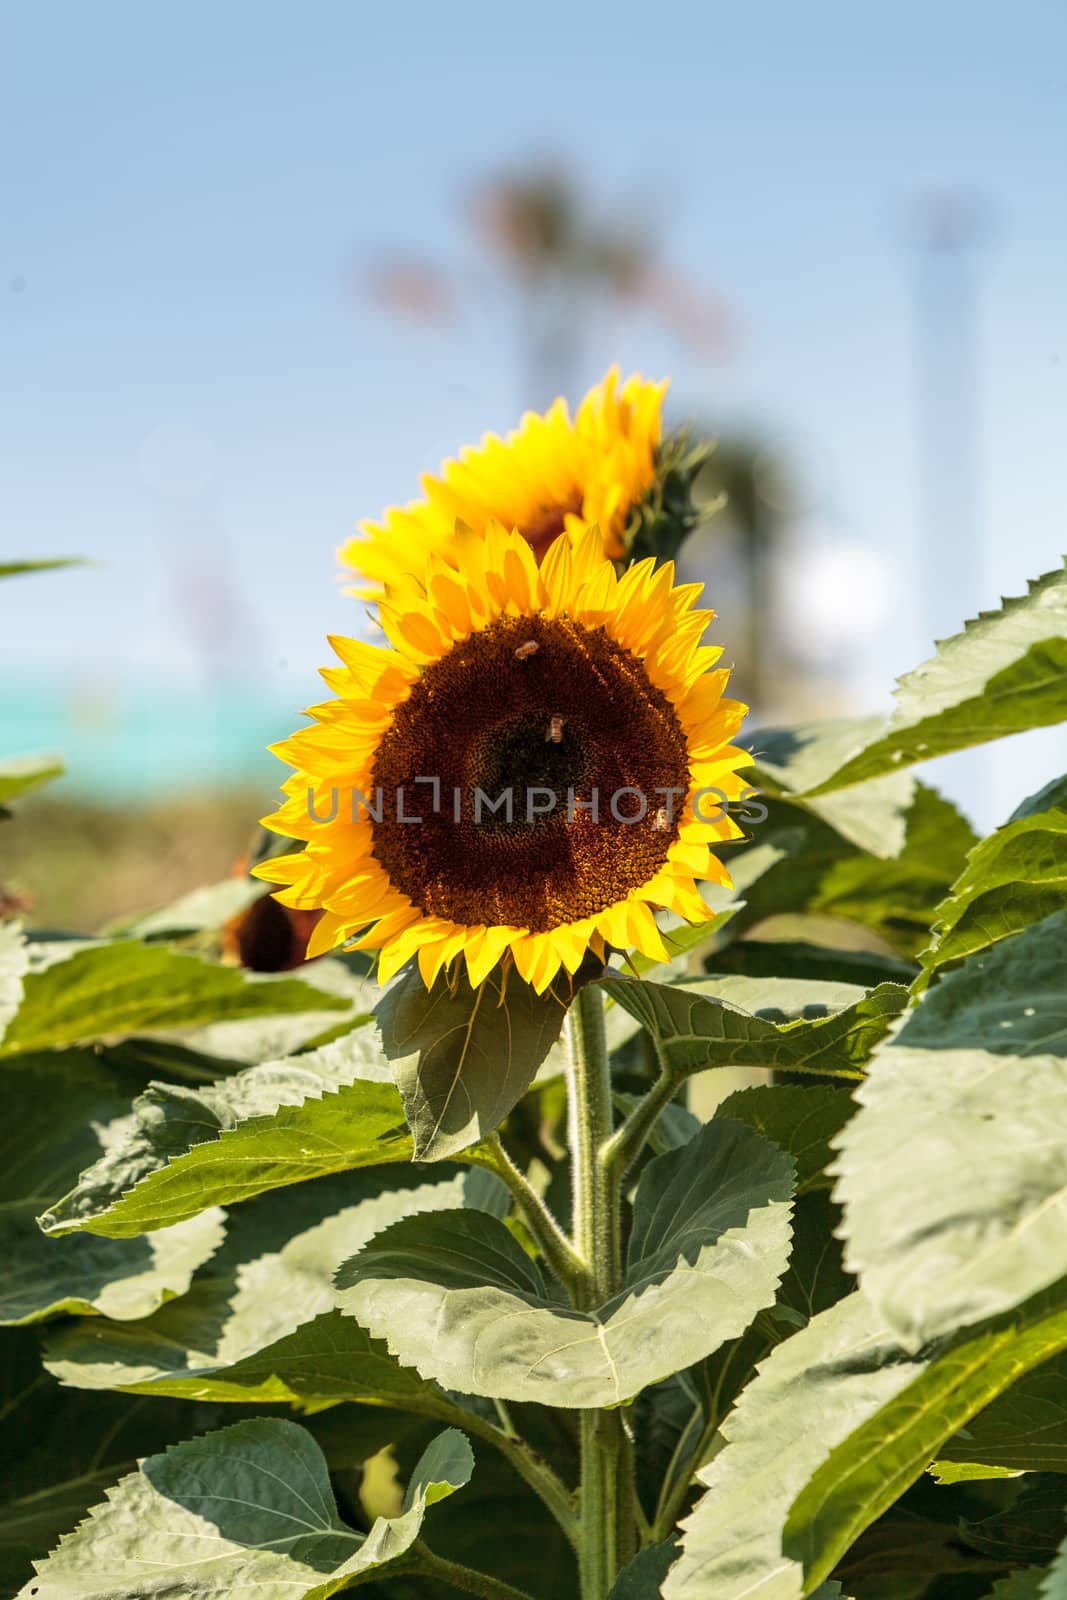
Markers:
(870, 1469)
(952, 1173)
(1024, 1429)
(1013, 879)
(463, 1057)
(456, 1297)
(131, 987)
(808, 1396)
(1007, 671)
(185, 1149)
(259, 1322)
(58, 1110)
(249, 1507)
(61, 1449)
(793, 1025)
(899, 897)
(792, 761)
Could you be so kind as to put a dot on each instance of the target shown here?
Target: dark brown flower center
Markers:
(556, 716)
(545, 528)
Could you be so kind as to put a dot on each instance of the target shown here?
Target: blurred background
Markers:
(262, 265)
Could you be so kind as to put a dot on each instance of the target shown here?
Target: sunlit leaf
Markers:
(61, 1449)
(1012, 879)
(126, 986)
(258, 1323)
(823, 1028)
(248, 1507)
(58, 1112)
(14, 960)
(891, 1448)
(456, 1297)
(1005, 672)
(187, 1148)
(952, 1171)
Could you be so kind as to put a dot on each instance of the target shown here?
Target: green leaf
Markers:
(247, 1507)
(792, 761)
(57, 1111)
(1025, 1584)
(950, 1472)
(498, 1526)
(14, 961)
(641, 1579)
(455, 1296)
(808, 1396)
(1055, 1584)
(900, 897)
(1014, 878)
(119, 988)
(1030, 1529)
(800, 1119)
(185, 1148)
(674, 1126)
(62, 1449)
(892, 1447)
(823, 1028)
(20, 774)
(258, 1323)
(198, 911)
(463, 1057)
(15, 569)
(1005, 672)
(816, 1278)
(952, 1171)
(1024, 1430)
(837, 1423)
(1053, 797)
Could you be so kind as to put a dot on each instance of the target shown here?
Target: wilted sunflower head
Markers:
(586, 697)
(553, 475)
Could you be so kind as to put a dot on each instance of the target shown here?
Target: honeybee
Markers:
(555, 731)
(659, 821)
(530, 648)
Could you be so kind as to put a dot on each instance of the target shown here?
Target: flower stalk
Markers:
(606, 1532)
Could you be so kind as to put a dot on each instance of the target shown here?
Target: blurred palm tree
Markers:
(754, 483)
(562, 263)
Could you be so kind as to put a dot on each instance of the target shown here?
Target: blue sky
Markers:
(190, 384)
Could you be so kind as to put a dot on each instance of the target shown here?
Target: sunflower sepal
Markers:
(662, 522)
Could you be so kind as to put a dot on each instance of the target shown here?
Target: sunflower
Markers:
(586, 697)
(553, 475)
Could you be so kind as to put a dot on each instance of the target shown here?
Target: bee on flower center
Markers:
(555, 731)
(659, 821)
(530, 648)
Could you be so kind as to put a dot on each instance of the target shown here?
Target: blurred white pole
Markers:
(948, 228)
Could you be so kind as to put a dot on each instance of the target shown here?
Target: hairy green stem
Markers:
(605, 1511)
(626, 1144)
(545, 1230)
(468, 1579)
(597, 1204)
(534, 1471)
